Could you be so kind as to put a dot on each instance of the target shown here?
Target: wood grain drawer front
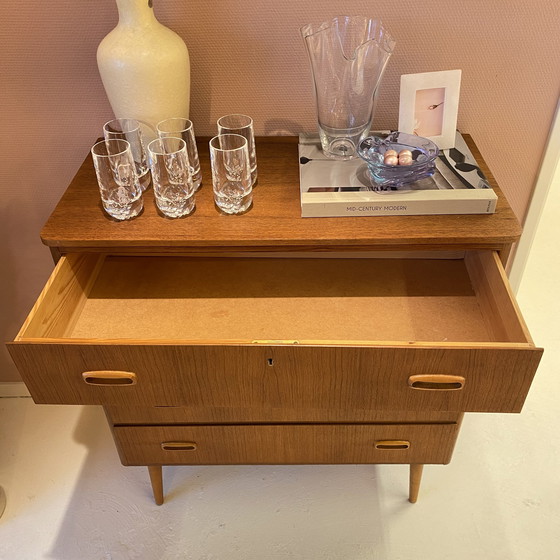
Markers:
(392, 334)
(300, 377)
(285, 444)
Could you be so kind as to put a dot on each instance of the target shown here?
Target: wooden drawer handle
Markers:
(436, 382)
(178, 446)
(392, 444)
(112, 378)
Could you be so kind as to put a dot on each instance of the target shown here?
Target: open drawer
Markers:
(371, 334)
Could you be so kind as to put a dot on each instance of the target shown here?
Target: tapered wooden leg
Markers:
(156, 478)
(414, 486)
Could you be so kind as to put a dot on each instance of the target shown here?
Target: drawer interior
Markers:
(303, 300)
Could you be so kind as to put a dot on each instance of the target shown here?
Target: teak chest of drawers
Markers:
(267, 338)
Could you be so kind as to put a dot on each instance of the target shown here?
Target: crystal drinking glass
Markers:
(173, 185)
(130, 130)
(243, 125)
(121, 193)
(231, 173)
(183, 128)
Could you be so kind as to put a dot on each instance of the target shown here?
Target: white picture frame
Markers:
(429, 103)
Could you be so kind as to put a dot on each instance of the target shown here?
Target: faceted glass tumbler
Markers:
(179, 127)
(121, 193)
(171, 173)
(231, 173)
(131, 131)
(242, 125)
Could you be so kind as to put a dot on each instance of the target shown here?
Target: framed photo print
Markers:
(429, 104)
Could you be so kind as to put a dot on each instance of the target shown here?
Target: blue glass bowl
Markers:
(424, 153)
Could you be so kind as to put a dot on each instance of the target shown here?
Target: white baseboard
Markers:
(13, 389)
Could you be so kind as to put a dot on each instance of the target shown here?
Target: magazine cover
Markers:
(332, 188)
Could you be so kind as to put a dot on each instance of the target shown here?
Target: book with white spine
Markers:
(335, 188)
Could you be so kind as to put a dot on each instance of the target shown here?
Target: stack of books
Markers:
(333, 188)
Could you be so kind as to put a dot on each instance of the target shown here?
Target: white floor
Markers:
(68, 497)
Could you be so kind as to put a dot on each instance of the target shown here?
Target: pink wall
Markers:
(247, 56)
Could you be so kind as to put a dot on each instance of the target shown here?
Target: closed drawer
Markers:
(285, 444)
(368, 334)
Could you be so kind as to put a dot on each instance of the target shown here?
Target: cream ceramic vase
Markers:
(144, 66)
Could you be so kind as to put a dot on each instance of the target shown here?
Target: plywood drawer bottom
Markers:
(286, 444)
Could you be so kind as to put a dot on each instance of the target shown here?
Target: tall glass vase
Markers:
(348, 57)
(144, 66)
